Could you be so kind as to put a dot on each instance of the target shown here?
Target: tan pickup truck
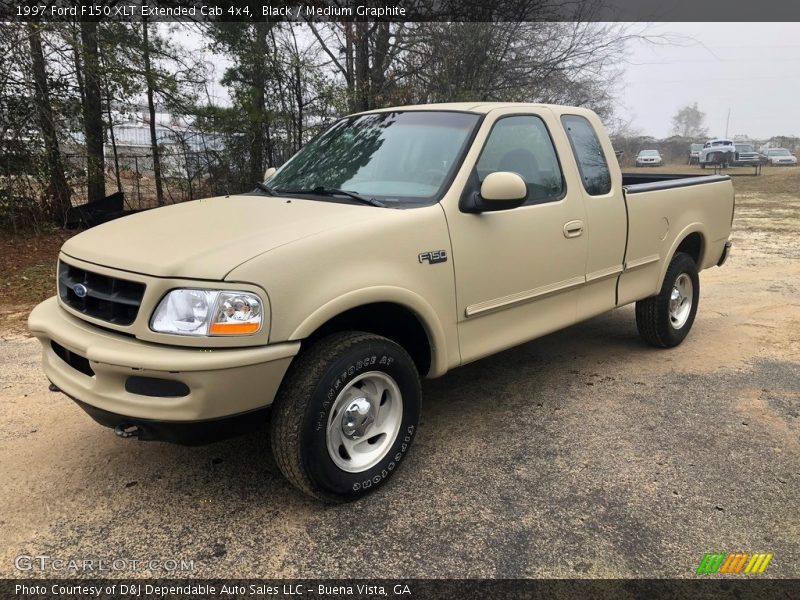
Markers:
(398, 244)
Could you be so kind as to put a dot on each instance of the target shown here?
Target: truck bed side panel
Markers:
(660, 216)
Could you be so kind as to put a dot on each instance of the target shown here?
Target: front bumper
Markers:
(121, 375)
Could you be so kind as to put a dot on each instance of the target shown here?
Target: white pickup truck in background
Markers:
(717, 152)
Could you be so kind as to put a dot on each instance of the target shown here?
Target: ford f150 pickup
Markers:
(398, 244)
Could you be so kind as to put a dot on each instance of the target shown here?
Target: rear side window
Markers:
(589, 155)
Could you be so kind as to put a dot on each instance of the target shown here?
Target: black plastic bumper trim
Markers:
(725, 251)
(155, 387)
(185, 433)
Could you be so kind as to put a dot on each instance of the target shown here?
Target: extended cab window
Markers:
(522, 145)
(589, 155)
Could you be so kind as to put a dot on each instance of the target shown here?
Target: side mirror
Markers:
(502, 190)
(269, 173)
(505, 188)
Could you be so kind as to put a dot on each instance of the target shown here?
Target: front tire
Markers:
(664, 320)
(345, 415)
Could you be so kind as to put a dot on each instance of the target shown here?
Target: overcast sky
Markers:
(751, 68)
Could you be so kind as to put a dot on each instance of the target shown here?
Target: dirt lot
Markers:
(583, 454)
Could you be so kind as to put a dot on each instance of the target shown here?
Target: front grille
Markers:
(76, 361)
(100, 296)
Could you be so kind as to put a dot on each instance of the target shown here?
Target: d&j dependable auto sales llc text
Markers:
(149, 590)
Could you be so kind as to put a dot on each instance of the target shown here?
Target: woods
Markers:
(166, 112)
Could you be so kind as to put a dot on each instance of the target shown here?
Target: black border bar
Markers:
(740, 587)
(403, 10)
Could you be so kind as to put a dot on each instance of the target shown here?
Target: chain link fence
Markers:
(184, 176)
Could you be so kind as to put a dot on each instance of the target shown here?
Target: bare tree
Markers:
(92, 112)
(364, 55)
(568, 63)
(58, 189)
(689, 122)
(151, 108)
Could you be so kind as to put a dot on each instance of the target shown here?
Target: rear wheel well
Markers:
(393, 321)
(692, 245)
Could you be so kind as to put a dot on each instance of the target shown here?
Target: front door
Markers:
(518, 272)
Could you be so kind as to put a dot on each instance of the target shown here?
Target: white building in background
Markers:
(183, 148)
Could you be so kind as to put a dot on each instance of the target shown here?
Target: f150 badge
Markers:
(433, 256)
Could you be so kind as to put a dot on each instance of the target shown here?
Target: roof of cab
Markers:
(476, 107)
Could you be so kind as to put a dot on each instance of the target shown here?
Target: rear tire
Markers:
(345, 415)
(664, 320)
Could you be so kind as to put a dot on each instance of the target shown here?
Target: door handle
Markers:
(573, 229)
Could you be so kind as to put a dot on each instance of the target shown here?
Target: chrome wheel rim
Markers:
(680, 300)
(364, 421)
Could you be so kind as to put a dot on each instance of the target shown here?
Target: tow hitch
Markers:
(127, 431)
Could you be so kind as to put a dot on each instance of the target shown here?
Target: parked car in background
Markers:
(717, 152)
(745, 155)
(780, 157)
(648, 158)
(694, 153)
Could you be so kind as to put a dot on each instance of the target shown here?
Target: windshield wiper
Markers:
(323, 191)
(265, 188)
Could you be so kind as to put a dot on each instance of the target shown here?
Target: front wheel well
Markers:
(387, 319)
(692, 245)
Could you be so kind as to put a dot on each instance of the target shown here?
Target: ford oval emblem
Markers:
(80, 290)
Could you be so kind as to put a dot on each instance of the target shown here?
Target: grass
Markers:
(769, 203)
(773, 180)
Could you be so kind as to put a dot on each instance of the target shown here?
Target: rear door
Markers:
(606, 219)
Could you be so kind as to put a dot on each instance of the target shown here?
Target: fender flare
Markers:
(401, 296)
(686, 232)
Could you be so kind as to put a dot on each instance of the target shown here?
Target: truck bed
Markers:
(649, 182)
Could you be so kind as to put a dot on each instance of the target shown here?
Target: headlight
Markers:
(208, 312)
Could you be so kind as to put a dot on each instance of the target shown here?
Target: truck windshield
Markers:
(779, 153)
(399, 158)
(744, 148)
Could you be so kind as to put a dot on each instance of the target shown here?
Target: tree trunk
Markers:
(259, 108)
(151, 107)
(362, 66)
(113, 140)
(112, 137)
(380, 62)
(58, 191)
(298, 74)
(349, 75)
(92, 114)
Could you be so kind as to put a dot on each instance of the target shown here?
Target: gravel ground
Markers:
(582, 454)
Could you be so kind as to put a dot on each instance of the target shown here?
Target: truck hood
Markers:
(206, 239)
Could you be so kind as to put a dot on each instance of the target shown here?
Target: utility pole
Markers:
(727, 123)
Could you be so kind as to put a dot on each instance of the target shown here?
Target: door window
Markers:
(589, 154)
(521, 144)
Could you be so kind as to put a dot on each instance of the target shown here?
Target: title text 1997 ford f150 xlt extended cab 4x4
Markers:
(398, 244)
